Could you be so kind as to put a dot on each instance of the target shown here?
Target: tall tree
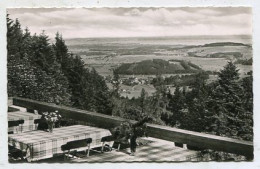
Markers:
(226, 103)
(101, 94)
(116, 84)
(42, 54)
(197, 101)
(176, 104)
(28, 68)
(143, 101)
(61, 49)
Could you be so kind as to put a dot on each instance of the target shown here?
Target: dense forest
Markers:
(157, 66)
(224, 107)
(180, 80)
(48, 72)
(244, 61)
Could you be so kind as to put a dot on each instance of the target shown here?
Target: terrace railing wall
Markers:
(195, 139)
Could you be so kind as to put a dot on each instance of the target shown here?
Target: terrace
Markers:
(159, 146)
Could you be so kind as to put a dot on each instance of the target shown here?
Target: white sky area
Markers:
(135, 22)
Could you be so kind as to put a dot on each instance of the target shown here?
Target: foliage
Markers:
(48, 72)
(177, 107)
(89, 90)
(116, 84)
(224, 44)
(127, 129)
(244, 61)
(224, 107)
(196, 101)
(136, 109)
(25, 80)
(51, 117)
(228, 103)
(156, 66)
(177, 80)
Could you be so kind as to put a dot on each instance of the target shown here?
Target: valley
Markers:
(136, 57)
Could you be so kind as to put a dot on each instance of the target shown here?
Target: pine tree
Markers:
(14, 38)
(61, 49)
(101, 94)
(197, 101)
(116, 84)
(246, 131)
(226, 102)
(176, 104)
(28, 69)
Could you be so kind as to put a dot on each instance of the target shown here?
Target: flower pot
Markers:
(50, 127)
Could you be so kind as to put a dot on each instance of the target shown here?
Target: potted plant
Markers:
(128, 132)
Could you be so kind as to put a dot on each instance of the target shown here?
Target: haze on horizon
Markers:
(135, 22)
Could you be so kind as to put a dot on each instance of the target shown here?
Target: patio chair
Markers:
(41, 125)
(15, 153)
(106, 139)
(37, 122)
(121, 144)
(118, 142)
(76, 145)
(15, 123)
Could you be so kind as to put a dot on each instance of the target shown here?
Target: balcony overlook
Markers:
(162, 144)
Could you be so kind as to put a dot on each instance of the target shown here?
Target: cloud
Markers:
(129, 22)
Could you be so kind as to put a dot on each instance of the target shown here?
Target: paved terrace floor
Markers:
(155, 151)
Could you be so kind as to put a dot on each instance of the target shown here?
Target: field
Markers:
(134, 91)
(106, 54)
(245, 51)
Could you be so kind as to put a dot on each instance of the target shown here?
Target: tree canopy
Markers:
(48, 72)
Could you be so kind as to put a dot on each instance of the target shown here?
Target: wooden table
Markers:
(28, 124)
(41, 144)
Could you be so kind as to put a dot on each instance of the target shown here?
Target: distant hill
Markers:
(245, 61)
(158, 66)
(228, 50)
(224, 44)
(226, 55)
(217, 44)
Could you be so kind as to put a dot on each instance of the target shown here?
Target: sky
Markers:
(135, 22)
